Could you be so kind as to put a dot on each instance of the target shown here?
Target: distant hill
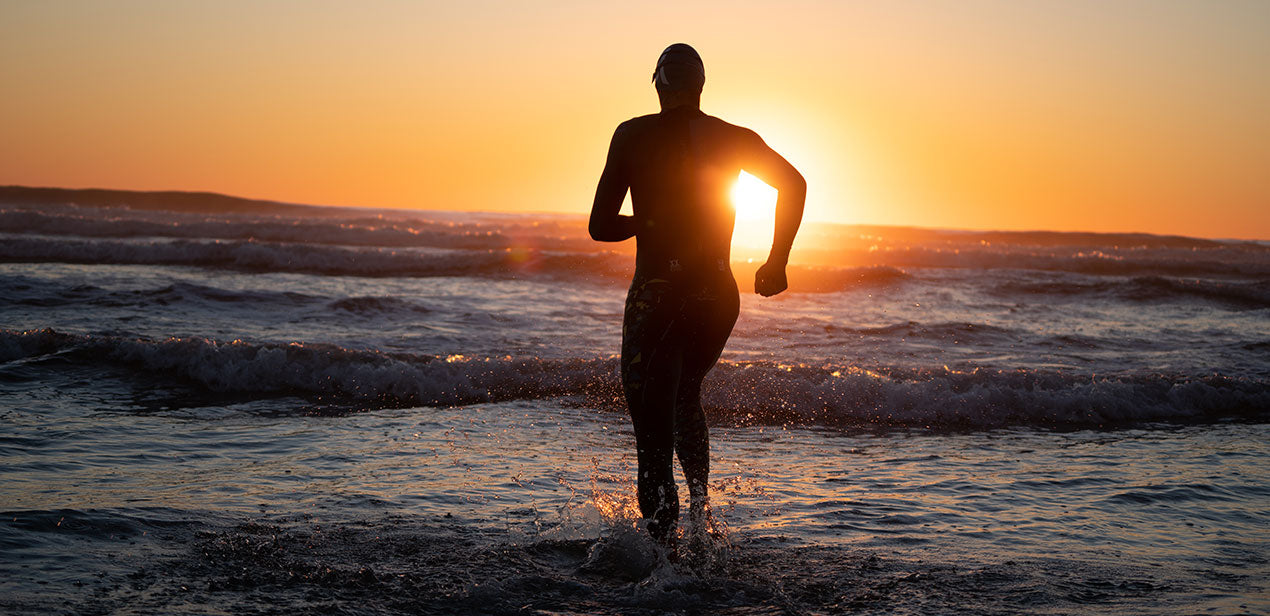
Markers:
(168, 200)
(814, 235)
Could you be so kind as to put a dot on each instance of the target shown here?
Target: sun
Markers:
(753, 199)
(755, 204)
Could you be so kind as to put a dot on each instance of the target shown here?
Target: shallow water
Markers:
(262, 506)
(395, 415)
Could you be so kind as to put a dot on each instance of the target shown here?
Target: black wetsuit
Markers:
(679, 166)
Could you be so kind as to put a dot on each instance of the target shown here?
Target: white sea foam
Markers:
(255, 256)
(828, 246)
(741, 393)
(345, 231)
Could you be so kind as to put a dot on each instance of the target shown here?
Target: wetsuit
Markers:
(679, 166)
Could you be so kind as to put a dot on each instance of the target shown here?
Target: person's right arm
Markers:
(606, 225)
(764, 163)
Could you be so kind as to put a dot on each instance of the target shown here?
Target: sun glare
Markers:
(753, 199)
(755, 204)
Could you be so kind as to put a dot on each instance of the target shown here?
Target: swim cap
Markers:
(680, 68)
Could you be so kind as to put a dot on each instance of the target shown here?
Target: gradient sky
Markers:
(1101, 116)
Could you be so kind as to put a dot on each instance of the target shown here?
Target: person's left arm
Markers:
(791, 195)
(606, 224)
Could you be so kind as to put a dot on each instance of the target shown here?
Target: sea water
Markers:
(362, 411)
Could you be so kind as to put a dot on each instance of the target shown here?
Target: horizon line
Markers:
(212, 193)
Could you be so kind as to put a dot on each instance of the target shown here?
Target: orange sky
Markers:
(1101, 116)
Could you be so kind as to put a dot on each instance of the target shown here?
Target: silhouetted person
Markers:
(680, 165)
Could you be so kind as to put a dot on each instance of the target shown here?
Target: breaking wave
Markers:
(1245, 295)
(252, 256)
(518, 263)
(935, 331)
(739, 393)
(377, 305)
(344, 231)
(842, 252)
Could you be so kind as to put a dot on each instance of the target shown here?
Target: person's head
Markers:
(679, 76)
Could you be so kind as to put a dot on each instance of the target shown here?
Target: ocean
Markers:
(301, 410)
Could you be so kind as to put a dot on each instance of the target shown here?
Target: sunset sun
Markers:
(755, 204)
(753, 199)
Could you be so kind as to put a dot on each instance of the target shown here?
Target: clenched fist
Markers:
(770, 279)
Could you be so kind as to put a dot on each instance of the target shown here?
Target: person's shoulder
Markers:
(732, 131)
(632, 128)
(721, 123)
(638, 123)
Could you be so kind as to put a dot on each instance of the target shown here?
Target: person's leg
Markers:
(712, 324)
(652, 416)
(650, 378)
(692, 443)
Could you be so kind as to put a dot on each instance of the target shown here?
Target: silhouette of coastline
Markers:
(164, 200)
(818, 236)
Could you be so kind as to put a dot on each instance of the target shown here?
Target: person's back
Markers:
(679, 166)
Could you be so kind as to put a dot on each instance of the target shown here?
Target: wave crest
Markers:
(738, 393)
(1245, 295)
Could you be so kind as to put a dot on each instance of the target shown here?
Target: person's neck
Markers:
(671, 101)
